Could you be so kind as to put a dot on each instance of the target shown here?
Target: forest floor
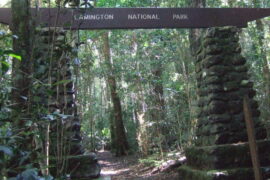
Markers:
(129, 168)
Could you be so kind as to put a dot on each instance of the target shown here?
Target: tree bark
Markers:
(21, 70)
(120, 135)
(142, 133)
(195, 34)
(21, 80)
(158, 112)
(140, 112)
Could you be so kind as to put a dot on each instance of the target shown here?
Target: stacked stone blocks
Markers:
(221, 150)
(53, 66)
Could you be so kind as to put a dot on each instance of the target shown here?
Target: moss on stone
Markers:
(188, 173)
(226, 156)
(84, 166)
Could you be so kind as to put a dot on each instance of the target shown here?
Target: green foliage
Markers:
(5, 66)
(135, 54)
(12, 138)
(106, 132)
(6, 54)
(155, 160)
(31, 174)
(139, 52)
(6, 150)
(152, 160)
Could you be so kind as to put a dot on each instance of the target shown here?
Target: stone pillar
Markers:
(54, 67)
(221, 150)
(60, 98)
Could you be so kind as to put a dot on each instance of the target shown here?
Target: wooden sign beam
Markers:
(142, 18)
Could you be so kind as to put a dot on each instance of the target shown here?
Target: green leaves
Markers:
(6, 55)
(31, 174)
(56, 115)
(5, 61)
(15, 56)
(4, 67)
(11, 53)
(6, 150)
(66, 81)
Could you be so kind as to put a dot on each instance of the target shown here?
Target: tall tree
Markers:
(121, 147)
(21, 81)
(195, 34)
(22, 45)
(158, 102)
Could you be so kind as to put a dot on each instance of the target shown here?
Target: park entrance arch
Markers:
(221, 73)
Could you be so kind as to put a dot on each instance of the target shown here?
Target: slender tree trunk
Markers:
(182, 67)
(142, 134)
(109, 111)
(158, 112)
(120, 135)
(140, 112)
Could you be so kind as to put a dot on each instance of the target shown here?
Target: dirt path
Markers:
(128, 168)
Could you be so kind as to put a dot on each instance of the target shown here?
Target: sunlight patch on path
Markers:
(114, 172)
(106, 173)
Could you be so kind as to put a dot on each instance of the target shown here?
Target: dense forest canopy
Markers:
(127, 91)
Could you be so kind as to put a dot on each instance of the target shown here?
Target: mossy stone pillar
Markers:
(53, 67)
(54, 94)
(221, 150)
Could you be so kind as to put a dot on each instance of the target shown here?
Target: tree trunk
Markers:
(120, 135)
(183, 66)
(195, 34)
(140, 112)
(21, 70)
(142, 133)
(158, 111)
(21, 80)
